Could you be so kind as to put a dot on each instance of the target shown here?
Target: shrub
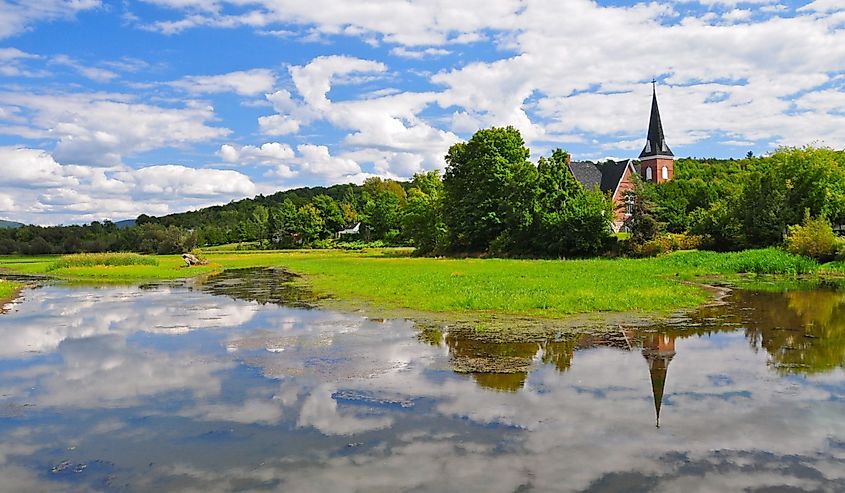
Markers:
(666, 243)
(95, 259)
(813, 238)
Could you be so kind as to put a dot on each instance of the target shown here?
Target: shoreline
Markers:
(490, 295)
(9, 292)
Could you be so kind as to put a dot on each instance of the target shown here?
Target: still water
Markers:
(214, 388)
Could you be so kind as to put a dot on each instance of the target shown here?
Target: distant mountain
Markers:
(9, 224)
(125, 223)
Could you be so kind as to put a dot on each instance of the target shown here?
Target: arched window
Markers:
(665, 173)
(648, 175)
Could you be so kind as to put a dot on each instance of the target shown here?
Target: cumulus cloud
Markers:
(385, 130)
(101, 128)
(269, 153)
(309, 160)
(39, 189)
(411, 23)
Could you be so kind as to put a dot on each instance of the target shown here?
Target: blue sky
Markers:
(109, 109)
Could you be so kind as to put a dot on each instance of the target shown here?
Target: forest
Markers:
(493, 200)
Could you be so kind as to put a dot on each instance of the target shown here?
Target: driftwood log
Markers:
(191, 259)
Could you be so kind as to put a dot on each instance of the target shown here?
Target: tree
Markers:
(422, 221)
(310, 223)
(569, 220)
(261, 216)
(642, 224)
(383, 215)
(479, 183)
(330, 212)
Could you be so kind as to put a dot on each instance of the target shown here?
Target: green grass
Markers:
(8, 290)
(391, 279)
(101, 259)
(158, 267)
(765, 261)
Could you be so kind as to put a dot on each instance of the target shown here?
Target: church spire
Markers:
(656, 143)
(658, 350)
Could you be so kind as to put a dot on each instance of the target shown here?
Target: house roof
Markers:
(604, 176)
(586, 172)
(656, 142)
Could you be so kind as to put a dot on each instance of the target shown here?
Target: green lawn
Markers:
(391, 279)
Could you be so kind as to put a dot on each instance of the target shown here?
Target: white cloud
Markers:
(101, 128)
(38, 189)
(244, 83)
(31, 168)
(385, 128)
(20, 16)
(403, 52)
(410, 23)
(11, 62)
(93, 73)
(269, 153)
(172, 179)
(824, 6)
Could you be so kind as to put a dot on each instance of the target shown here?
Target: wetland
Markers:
(245, 382)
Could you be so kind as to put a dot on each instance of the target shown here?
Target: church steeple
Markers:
(656, 143)
(658, 350)
(656, 160)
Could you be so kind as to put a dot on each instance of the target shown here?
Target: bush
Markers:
(94, 259)
(666, 243)
(814, 238)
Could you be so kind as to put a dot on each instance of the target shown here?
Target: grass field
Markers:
(7, 291)
(108, 268)
(391, 279)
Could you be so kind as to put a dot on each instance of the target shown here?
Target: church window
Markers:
(665, 173)
(648, 174)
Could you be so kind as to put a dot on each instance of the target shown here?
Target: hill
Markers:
(9, 224)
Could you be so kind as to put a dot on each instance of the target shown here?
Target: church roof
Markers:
(586, 172)
(656, 141)
(604, 176)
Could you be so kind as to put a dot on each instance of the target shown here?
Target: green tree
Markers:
(330, 212)
(310, 223)
(481, 178)
(260, 216)
(422, 221)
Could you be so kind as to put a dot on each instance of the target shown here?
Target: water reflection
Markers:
(172, 389)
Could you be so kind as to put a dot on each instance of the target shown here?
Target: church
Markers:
(656, 165)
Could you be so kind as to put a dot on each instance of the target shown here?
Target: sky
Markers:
(110, 108)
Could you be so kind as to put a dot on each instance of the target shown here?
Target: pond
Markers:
(238, 385)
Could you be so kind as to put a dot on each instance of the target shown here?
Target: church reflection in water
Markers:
(505, 366)
(803, 332)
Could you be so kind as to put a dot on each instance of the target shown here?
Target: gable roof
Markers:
(605, 176)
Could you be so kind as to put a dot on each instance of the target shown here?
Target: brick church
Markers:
(656, 165)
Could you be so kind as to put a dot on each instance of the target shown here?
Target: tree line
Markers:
(751, 202)
(493, 200)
